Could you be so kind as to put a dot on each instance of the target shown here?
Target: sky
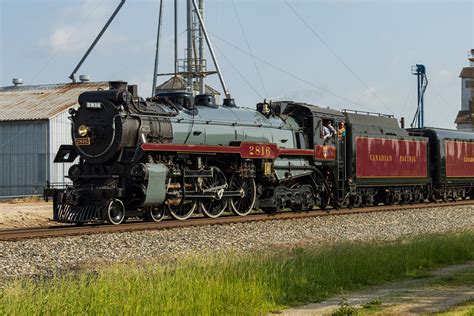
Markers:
(340, 54)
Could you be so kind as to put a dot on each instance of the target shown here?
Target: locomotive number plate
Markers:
(84, 141)
(258, 151)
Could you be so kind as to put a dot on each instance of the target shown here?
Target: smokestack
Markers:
(402, 122)
(471, 57)
(118, 85)
(17, 82)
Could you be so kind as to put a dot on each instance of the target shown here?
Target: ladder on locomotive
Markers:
(341, 168)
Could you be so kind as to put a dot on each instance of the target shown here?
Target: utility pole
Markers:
(202, 65)
(157, 52)
(189, 48)
(175, 37)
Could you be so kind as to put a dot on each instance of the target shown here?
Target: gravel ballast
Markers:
(40, 256)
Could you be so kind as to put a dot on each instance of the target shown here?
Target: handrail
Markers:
(367, 113)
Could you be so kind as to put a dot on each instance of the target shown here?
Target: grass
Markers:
(345, 309)
(463, 278)
(373, 306)
(233, 284)
(463, 309)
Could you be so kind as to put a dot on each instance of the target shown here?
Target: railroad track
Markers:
(72, 230)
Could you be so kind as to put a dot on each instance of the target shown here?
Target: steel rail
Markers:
(74, 230)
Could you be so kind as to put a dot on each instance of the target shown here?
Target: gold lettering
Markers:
(469, 159)
(408, 159)
(380, 158)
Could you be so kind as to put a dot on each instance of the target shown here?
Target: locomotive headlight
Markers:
(83, 130)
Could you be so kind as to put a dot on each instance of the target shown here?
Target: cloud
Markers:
(60, 39)
(395, 60)
(100, 10)
(445, 77)
(88, 18)
(374, 100)
(301, 95)
(369, 95)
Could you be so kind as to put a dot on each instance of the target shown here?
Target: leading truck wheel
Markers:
(115, 212)
(155, 214)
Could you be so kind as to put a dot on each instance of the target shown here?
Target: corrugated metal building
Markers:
(33, 124)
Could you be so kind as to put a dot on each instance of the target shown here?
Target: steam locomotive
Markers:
(178, 154)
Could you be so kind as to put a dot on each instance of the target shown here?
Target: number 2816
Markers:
(260, 151)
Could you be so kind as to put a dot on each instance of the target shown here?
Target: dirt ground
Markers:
(25, 213)
(441, 290)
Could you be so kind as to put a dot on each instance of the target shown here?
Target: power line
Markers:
(437, 92)
(249, 48)
(292, 75)
(409, 96)
(238, 71)
(336, 55)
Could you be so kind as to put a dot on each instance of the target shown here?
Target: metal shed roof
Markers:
(23, 103)
(178, 83)
(467, 72)
(464, 117)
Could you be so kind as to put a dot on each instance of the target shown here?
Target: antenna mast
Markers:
(193, 67)
(422, 83)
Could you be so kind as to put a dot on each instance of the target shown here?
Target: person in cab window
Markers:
(341, 133)
(328, 130)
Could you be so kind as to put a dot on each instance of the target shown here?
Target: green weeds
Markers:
(232, 283)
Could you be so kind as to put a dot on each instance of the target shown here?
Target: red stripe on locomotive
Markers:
(246, 150)
(390, 158)
(459, 159)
